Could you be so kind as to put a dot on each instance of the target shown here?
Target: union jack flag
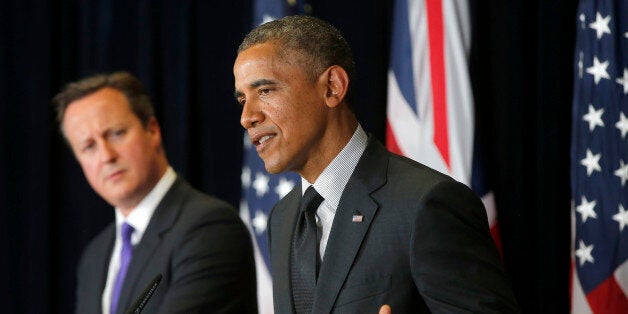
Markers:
(430, 104)
(599, 159)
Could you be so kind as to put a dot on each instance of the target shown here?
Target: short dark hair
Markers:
(124, 82)
(316, 43)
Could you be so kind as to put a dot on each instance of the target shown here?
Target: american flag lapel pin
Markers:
(357, 216)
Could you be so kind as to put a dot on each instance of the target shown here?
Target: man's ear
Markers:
(154, 130)
(336, 81)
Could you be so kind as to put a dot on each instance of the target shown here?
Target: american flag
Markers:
(260, 190)
(599, 159)
(430, 104)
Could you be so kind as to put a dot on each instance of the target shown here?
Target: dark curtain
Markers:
(522, 75)
(184, 51)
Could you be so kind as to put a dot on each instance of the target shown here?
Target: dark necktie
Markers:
(304, 258)
(125, 259)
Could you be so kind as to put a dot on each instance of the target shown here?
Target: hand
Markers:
(385, 309)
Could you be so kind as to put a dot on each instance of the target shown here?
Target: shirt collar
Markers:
(140, 216)
(332, 181)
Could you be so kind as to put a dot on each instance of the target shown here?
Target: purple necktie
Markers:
(125, 259)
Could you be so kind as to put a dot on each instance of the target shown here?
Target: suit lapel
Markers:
(346, 236)
(284, 223)
(101, 259)
(163, 218)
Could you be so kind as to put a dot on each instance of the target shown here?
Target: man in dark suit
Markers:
(365, 228)
(163, 225)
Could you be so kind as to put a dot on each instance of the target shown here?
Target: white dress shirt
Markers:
(332, 181)
(138, 219)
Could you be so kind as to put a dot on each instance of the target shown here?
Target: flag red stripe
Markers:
(437, 65)
(497, 239)
(608, 297)
(391, 141)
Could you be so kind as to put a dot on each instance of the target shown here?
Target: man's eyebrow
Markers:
(261, 82)
(255, 84)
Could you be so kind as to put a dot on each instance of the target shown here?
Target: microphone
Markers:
(139, 304)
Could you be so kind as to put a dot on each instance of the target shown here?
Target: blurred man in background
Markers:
(162, 224)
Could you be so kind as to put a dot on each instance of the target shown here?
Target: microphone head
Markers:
(143, 298)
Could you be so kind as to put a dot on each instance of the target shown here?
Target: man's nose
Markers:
(107, 152)
(251, 115)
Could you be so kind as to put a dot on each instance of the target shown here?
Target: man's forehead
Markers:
(255, 69)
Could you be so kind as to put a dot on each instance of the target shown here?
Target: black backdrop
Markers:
(184, 50)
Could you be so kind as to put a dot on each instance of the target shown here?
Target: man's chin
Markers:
(121, 198)
(274, 168)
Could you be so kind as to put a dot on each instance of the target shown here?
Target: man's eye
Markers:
(88, 147)
(118, 133)
(264, 91)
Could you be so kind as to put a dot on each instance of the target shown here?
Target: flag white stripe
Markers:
(459, 97)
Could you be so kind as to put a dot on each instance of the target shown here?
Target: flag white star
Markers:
(598, 70)
(261, 184)
(592, 162)
(584, 253)
(594, 117)
(622, 124)
(586, 209)
(259, 222)
(621, 217)
(623, 81)
(284, 187)
(601, 25)
(622, 172)
(245, 177)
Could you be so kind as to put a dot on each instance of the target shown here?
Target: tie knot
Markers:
(126, 231)
(311, 200)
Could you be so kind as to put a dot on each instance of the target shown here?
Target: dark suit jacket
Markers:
(423, 245)
(200, 246)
